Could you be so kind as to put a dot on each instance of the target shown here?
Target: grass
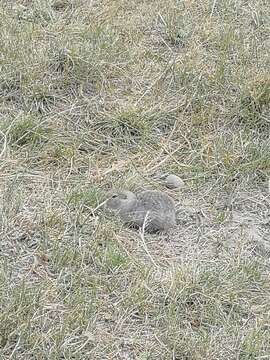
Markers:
(103, 95)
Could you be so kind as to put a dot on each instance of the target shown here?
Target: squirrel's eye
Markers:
(114, 196)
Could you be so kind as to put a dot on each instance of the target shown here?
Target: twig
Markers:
(213, 7)
(142, 231)
(4, 145)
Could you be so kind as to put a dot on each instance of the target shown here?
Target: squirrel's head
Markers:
(121, 201)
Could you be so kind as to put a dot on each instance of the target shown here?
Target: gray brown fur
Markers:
(154, 209)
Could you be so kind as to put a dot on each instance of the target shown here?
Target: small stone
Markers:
(174, 182)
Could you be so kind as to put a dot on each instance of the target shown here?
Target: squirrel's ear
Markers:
(123, 196)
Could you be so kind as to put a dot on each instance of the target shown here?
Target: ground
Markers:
(103, 95)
